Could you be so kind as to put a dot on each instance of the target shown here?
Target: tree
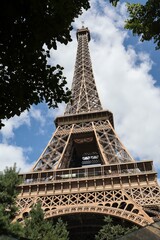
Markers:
(144, 20)
(111, 232)
(60, 230)
(36, 227)
(28, 30)
(8, 181)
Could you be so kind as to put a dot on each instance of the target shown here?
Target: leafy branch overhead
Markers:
(144, 20)
(28, 30)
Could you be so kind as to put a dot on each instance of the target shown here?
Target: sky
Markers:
(127, 77)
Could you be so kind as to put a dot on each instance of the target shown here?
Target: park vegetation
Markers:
(36, 226)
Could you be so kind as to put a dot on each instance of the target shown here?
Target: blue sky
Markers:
(127, 77)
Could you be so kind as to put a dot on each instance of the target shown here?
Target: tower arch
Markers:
(104, 210)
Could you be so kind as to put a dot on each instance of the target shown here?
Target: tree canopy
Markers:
(8, 181)
(110, 231)
(144, 20)
(28, 30)
(36, 227)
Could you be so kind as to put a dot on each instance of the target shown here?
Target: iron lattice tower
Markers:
(85, 168)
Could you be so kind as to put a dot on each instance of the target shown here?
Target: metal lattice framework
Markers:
(58, 151)
(85, 168)
(115, 203)
(84, 92)
(126, 190)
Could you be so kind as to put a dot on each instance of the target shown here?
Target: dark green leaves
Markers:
(36, 227)
(25, 26)
(114, 2)
(144, 20)
(110, 231)
(8, 182)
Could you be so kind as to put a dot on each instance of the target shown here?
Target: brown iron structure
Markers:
(85, 168)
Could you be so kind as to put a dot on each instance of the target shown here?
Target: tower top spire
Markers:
(84, 92)
(83, 31)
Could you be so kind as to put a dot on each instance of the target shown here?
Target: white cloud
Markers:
(53, 113)
(8, 131)
(36, 114)
(13, 123)
(12, 154)
(123, 79)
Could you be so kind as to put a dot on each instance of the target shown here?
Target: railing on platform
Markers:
(88, 172)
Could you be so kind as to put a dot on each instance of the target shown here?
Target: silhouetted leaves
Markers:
(144, 20)
(28, 30)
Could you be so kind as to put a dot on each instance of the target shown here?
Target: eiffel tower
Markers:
(85, 169)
